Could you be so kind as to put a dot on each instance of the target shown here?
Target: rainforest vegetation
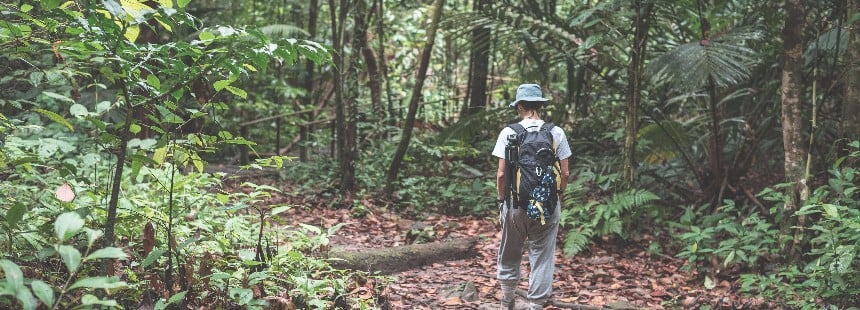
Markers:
(213, 154)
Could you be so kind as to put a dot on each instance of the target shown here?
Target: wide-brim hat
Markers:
(529, 92)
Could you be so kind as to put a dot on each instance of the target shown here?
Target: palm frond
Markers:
(283, 31)
(662, 140)
(725, 60)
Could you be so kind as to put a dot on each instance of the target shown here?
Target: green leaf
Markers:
(26, 8)
(55, 117)
(71, 257)
(246, 255)
(26, 299)
(43, 291)
(153, 81)
(58, 96)
(159, 155)
(182, 3)
(92, 235)
(78, 110)
(108, 252)
(134, 128)
(48, 5)
(98, 282)
(152, 257)
(831, 210)
(36, 77)
(89, 299)
(280, 209)
(14, 276)
(237, 91)
(206, 36)
(220, 84)
(177, 297)
(67, 225)
(15, 214)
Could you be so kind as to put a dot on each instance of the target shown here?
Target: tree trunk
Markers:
(313, 13)
(370, 59)
(401, 258)
(420, 76)
(792, 120)
(383, 65)
(851, 101)
(347, 169)
(634, 88)
(479, 64)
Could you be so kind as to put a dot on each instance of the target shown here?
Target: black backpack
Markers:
(536, 171)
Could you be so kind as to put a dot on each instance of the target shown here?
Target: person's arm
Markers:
(565, 173)
(500, 179)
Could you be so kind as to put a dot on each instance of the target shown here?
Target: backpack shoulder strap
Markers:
(517, 127)
(547, 126)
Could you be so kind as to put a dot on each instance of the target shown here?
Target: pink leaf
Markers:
(65, 193)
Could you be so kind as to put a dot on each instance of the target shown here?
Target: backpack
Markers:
(536, 168)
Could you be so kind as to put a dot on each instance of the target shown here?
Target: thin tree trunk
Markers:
(716, 178)
(634, 89)
(347, 169)
(792, 120)
(370, 59)
(383, 64)
(851, 101)
(479, 64)
(310, 70)
(420, 76)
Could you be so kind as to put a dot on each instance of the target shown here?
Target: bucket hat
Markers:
(528, 92)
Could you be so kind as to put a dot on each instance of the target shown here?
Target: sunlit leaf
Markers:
(237, 91)
(99, 282)
(108, 252)
(67, 225)
(89, 299)
(56, 118)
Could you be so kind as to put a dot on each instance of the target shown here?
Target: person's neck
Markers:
(534, 116)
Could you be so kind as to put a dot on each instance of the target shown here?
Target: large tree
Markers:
(792, 116)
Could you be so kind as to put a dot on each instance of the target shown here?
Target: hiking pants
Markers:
(517, 230)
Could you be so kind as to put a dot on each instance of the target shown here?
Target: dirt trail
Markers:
(605, 275)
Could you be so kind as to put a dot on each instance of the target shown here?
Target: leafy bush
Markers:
(729, 236)
(56, 292)
(615, 215)
(831, 276)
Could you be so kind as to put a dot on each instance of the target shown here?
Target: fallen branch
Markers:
(400, 258)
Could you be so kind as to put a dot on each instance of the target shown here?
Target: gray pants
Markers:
(517, 229)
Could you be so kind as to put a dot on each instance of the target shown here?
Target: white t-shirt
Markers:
(562, 149)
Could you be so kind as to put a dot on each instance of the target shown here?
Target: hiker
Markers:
(518, 227)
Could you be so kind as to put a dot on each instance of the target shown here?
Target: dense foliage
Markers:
(114, 115)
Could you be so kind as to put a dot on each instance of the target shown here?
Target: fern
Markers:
(612, 217)
(576, 240)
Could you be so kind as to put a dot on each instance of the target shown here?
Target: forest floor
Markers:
(607, 275)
